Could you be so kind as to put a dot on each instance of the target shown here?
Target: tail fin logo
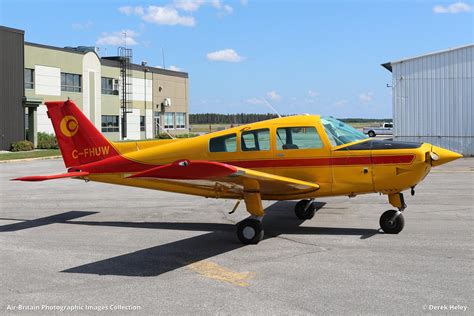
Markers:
(69, 126)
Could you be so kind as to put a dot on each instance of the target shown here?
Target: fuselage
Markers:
(304, 147)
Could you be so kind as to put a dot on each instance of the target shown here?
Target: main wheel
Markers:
(303, 210)
(249, 231)
(390, 226)
(371, 134)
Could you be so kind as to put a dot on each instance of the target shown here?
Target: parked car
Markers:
(384, 129)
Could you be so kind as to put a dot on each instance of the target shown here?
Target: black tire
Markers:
(371, 134)
(390, 227)
(249, 231)
(301, 212)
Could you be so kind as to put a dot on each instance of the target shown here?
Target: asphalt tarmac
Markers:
(68, 245)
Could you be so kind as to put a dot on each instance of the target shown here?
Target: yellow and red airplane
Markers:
(299, 157)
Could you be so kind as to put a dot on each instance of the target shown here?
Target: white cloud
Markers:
(312, 93)
(254, 101)
(226, 9)
(171, 14)
(118, 38)
(244, 2)
(228, 55)
(273, 95)
(216, 3)
(453, 8)
(167, 16)
(128, 10)
(188, 5)
(82, 26)
(174, 68)
(366, 97)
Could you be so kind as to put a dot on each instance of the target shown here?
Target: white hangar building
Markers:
(432, 97)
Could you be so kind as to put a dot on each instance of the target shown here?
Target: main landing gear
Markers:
(250, 231)
(305, 209)
(392, 221)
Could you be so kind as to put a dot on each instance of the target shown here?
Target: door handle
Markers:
(280, 155)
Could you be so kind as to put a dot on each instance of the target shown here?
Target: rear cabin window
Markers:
(298, 138)
(257, 140)
(226, 143)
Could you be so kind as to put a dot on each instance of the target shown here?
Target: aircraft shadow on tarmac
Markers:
(168, 257)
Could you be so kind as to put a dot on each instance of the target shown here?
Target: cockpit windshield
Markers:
(340, 133)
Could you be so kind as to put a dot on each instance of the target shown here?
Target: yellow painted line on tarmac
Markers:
(214, 271)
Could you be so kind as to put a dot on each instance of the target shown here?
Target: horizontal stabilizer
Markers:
(188, 170)
(53, 176)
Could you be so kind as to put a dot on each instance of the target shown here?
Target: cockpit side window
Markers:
(226, 143)
(257, 140)
(301, 137)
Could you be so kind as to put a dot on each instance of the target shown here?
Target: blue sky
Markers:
(319, 57)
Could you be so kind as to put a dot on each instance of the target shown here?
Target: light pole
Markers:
(145, 70)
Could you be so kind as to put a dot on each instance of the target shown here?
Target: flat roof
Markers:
(10, 29)
(388, 65)
(106, 61)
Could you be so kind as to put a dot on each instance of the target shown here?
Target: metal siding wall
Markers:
(12, 118)
(432, 99)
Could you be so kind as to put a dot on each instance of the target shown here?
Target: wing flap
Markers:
(53, 176)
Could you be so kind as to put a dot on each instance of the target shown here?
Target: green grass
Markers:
(29, 154)
(204, 128)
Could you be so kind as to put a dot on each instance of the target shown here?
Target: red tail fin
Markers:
(79, 140)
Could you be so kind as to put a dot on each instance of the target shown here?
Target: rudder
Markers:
(79, 140)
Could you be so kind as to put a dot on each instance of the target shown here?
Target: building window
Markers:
(298, 138)
(168, 121)
(108, 86)
(226, 143)
(142, 123)
(71, 82)
(180, 120)
(29, 78)
(110, 123)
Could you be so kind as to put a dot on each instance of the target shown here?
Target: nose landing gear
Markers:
(392, 221)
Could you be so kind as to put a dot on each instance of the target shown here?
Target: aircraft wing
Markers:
(226, 178)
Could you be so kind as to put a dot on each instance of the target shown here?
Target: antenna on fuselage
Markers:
(271, 107)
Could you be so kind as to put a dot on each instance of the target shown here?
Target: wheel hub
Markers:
(248, 232)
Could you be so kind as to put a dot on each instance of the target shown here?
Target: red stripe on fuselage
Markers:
(122, 164)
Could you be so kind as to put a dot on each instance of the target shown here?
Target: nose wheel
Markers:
(250, 231)
(392, 222)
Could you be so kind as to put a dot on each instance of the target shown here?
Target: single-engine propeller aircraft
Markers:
(299, 157)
